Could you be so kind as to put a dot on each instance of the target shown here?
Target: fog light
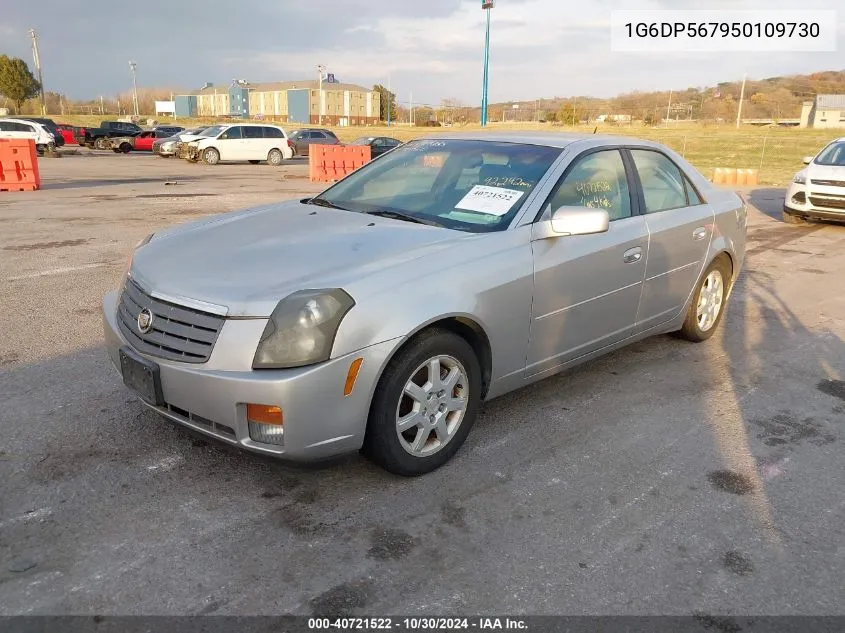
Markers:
(800, 197)
(266, 423)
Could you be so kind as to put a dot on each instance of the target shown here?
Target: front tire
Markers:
(793, 218)
(424, 405)
(211, 156)
(275, 157)
(708, 303)
(126, 148)
(101, 143)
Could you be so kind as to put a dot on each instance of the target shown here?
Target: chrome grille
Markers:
(829, 183)
(177, 333)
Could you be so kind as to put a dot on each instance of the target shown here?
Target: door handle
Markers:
(700, 233)
(632, 255)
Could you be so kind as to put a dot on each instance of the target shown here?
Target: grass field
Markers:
(775, 152)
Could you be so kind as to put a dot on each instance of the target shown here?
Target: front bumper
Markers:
(815, 201)
(319, 421)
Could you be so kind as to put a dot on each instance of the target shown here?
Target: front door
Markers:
(681, 227)
(230, 144)
(587, 287)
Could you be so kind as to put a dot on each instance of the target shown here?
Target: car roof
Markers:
(16, 120)
(548, 139)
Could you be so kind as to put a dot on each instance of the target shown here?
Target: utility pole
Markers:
(133, 66)
(321, 69)
(668, 107)
(741, 97)
(486, 5)
(37, 59)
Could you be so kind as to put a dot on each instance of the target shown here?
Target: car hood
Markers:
(825, 172)
(247, 261)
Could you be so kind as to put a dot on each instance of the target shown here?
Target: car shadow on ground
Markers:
(768, 200)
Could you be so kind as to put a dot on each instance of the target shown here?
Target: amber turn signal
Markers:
(264, 413)
(352, 376)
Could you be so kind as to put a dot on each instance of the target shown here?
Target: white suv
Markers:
(18, 128)
(247, 142)
(818, 190)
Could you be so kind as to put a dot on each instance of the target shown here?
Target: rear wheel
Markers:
(101, 143)
(211, 156)
(275, 157)
(424, 405)
(793, 218)
(125, 148)
(40, 149)
(708, 302)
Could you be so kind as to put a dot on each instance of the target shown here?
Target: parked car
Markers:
(98, 137)
(241, 142)
(313, 327)
(305, 137)
(378, 144)
(143, 141)
(25, 129)
(51, 126)
(167, 147)
(68, 132)
(818, 190)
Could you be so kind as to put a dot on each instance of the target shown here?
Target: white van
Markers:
(18, 128)
(242, 142)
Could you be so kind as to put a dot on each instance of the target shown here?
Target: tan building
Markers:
(294, 102)
(827, 111)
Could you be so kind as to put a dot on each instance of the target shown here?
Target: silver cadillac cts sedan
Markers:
(377, 315)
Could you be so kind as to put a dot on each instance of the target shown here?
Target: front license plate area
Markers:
(142, 376)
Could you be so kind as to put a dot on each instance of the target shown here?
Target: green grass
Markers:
(775, 152)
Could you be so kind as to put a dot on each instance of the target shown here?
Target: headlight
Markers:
(800, 178)
(301, 329)
(168, 146)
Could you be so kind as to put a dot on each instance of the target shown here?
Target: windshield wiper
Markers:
(396, 215)
(320, 202)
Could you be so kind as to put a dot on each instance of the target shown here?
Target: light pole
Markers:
(486, 5)
(133, 66)
(321, 71)
(37, 59)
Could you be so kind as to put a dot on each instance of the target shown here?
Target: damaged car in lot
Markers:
(379, 314)
(241, 142)
(818, 191)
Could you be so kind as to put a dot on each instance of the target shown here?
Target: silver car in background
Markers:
(379, 314)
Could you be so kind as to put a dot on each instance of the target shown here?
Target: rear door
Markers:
(255, 145)
(680, 224)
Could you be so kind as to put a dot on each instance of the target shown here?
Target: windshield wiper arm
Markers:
(396, 215)
(320, 202)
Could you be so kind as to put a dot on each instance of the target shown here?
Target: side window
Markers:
(273, 132)
(661, 179)
(233, 133)
(597, 180)
(377, 143)
(4, 127)
(692, 195)
(253, 131)
(319, 136)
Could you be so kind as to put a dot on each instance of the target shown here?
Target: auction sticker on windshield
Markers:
(490, 200)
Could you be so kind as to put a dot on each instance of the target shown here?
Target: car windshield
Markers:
(212, 131)
(468, 185)
(832, 155)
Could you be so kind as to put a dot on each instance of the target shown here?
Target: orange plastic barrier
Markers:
(19, 165)
(731, 176)
(327, 163)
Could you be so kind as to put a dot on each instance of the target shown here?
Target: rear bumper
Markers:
(319, 421)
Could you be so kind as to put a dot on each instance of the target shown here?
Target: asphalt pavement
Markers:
(665, 478)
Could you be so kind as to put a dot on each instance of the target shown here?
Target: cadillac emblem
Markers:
(145, 321)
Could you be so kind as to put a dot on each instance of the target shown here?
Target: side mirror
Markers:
(808, 160)
(579, 221)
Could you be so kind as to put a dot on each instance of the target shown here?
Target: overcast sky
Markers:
(430, 48)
